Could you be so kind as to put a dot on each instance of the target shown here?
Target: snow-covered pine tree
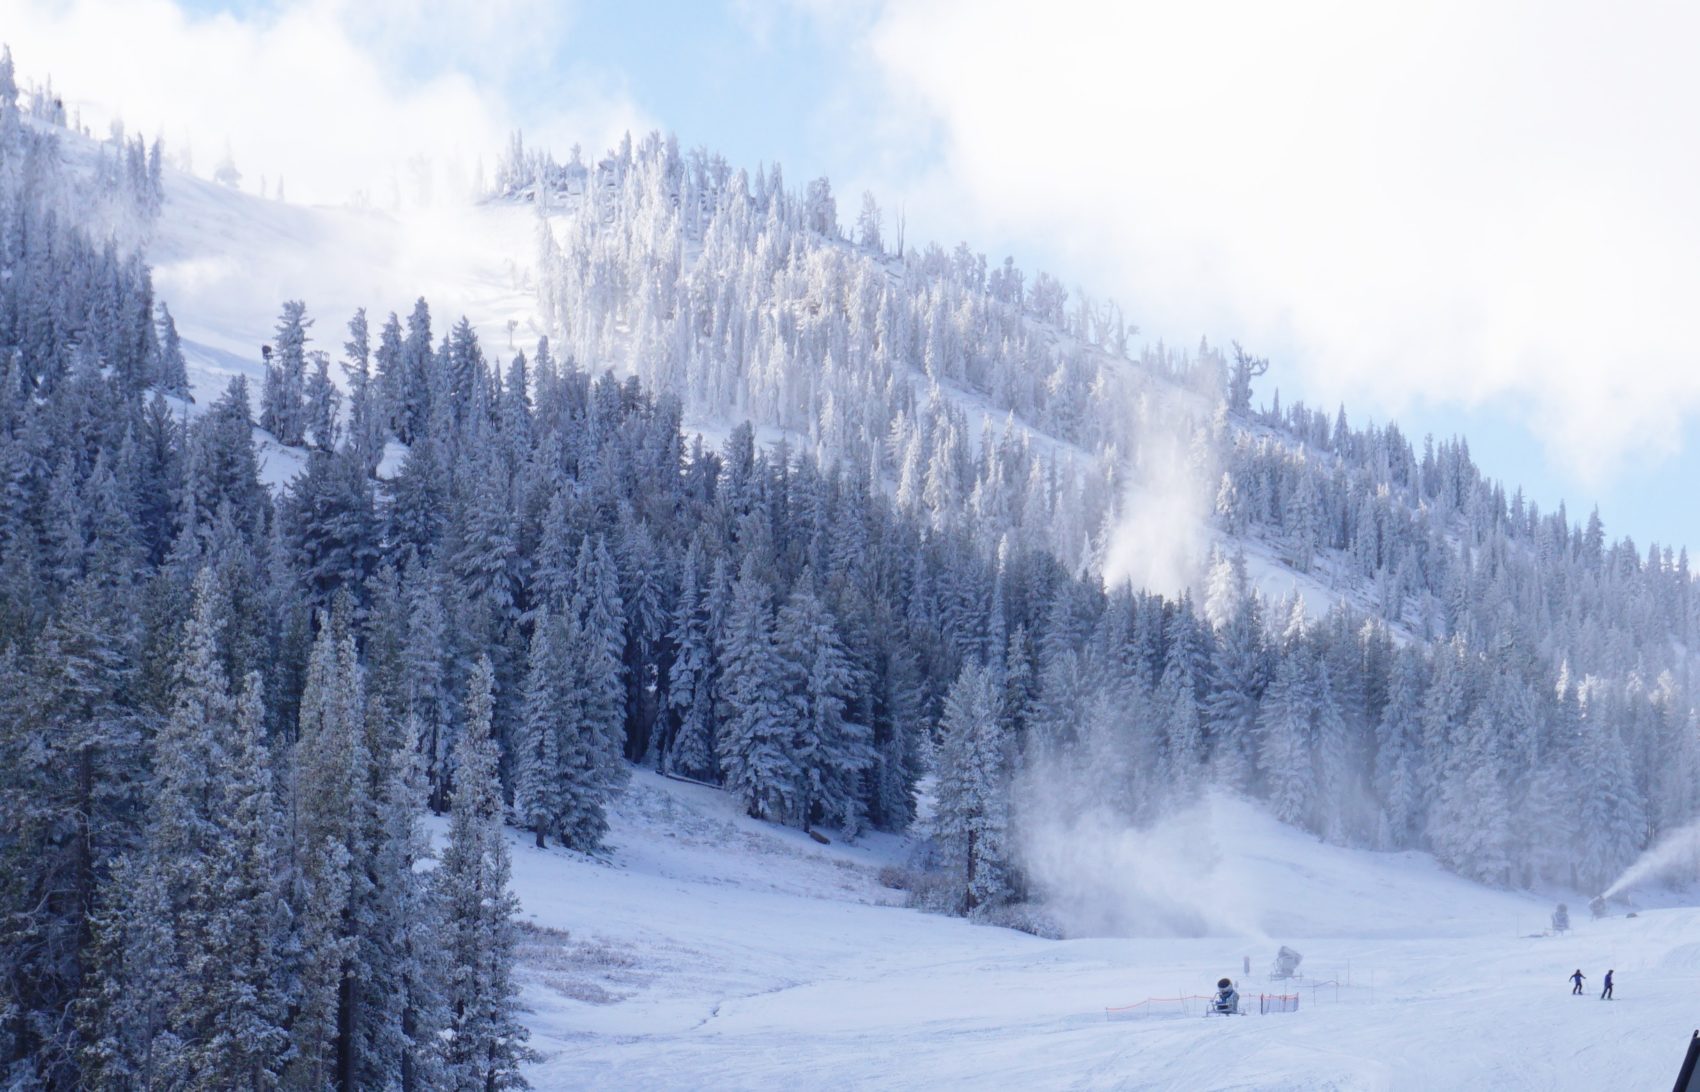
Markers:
(544, 718)
(1182, 727)
(329, 527)
(1611, 825)
(401, 998)
(426, 656)
(645, 625)
(69, 763)
(689, 697)
(601, 640)
(484, 1041)
(553, 562)
(323, 400)
(242, 947)
(1238, 679)
(413, 399)
(1396, 756)
(173, 372)
(831, 751)
(1284, 738)
(283, 409)
(124, 1011)
(754, 745)
(390, 379)
(971, 806)
(184, 839)
(332, 884)
(367, 413)
(410, 984)
(1470, 825)
(1332, 762)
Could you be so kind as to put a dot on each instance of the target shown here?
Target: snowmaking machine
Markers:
(1227, 1000)
(1286, 963)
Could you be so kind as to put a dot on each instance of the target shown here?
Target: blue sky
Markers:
(1471, 221)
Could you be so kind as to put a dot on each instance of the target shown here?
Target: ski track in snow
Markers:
(743, 955)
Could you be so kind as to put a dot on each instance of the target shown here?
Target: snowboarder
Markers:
(1227, 998)
(1605, 994)
(1577, 978)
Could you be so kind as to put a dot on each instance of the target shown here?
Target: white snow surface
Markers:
(224, 261)
(705, 950)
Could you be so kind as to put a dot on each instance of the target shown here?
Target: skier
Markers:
(1605, 994)
(1227, 998)
(1577, 978)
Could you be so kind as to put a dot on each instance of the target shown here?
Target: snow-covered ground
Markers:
(706, 950)
(224, 262)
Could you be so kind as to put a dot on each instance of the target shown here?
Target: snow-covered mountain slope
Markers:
(225, 261)
(709, 951)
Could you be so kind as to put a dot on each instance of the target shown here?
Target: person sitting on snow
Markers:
(1227, 998)
(1577, 978)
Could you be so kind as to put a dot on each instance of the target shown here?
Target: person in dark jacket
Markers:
(1605, 994)
(1577, 978)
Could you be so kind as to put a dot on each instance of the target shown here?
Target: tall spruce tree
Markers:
(485, 1042)
(689, 746)
(754, 745)
(971, 811)
(544, 719)
(831, 751)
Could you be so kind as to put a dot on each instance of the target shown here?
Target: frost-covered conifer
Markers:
(830, 750)
(331, 889)
(484, 1040)
(689, 700)
(322, 403)
(600, 642)
(544, 718)
(754, 746)
(283, 409)
(173, 375)
(240, 954)
(1284, 742)
(971, 810)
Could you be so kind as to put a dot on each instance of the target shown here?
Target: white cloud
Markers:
(337, 97)
(1436, 203)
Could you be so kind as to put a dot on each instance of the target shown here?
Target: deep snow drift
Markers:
(706, 950)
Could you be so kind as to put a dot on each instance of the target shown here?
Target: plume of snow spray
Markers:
(1100, 875)
(1679, 847)
(1161, 540)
